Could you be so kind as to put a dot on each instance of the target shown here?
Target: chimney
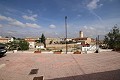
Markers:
(81, 34)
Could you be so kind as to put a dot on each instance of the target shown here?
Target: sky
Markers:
(31, 18)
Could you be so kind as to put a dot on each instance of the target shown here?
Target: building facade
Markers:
(6, 40)
(31, 42)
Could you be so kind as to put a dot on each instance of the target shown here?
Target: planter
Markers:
(77, 52)
(37, 51)
(14, 51)
(57, 52)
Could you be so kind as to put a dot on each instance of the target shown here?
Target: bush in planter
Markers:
(58, 52)
(37, 51)
(24, 45)
(77, 52)
(97, 51)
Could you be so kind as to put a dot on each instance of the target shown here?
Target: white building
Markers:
(31, 42)
(6, 40)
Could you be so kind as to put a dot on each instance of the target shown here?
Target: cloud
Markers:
(63, 9)
(17, 23)
(79, 15)
(111, 0)
(6, 18)
(32, 17)
(88, 28)
(93, 4)
(32, 25)
(100, 5)
(11, 32)
(29, 11)
(52, 26)
(85, 27)
(94, 30)
(100, 19)
(1, 25)
(14, 22)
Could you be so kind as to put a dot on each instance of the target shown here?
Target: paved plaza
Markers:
(96, 66)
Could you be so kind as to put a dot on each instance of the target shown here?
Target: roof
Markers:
(4, 38)
(30, 40)
(84, 38)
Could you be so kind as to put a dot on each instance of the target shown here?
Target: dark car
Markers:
(2, 49)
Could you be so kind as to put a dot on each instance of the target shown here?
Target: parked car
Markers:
(3, 49)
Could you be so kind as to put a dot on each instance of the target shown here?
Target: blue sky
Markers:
(31, 18)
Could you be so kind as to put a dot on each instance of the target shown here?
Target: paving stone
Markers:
(101, 66)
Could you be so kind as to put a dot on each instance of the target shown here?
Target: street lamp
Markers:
(66, 33)
(97, 44)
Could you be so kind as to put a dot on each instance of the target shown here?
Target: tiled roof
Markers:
(4, 38)
(30, 40)
(84, 38)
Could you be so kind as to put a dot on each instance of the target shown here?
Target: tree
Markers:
(38, 41)
(13, 45)
(24, 45)
(43, 40)
(18, 45)
(14, 38)
(51, 42)
(112, 39)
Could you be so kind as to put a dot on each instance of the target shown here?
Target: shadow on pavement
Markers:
(108, 75)
(2, 56)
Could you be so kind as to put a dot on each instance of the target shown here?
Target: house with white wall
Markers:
(31, 42)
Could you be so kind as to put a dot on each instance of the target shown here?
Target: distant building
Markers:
(81, 34)
(6, 40)
(52, 40)
(69, 39)
(11, 40)
(31, 42)
(83, 40)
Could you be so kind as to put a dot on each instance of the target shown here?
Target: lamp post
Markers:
(97, 44)
(66, 33)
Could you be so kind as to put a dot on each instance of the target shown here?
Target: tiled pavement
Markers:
(96, 66)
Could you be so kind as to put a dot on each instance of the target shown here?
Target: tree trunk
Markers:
(44, 45)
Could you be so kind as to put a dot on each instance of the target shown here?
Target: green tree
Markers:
(24, 45)
(112, 39)
(43, 40)
(13, 45)
(38, 41)
(18, 45)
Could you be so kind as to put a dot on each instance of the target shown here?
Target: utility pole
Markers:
(97, 44)
(66, 33)
(98, 41)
